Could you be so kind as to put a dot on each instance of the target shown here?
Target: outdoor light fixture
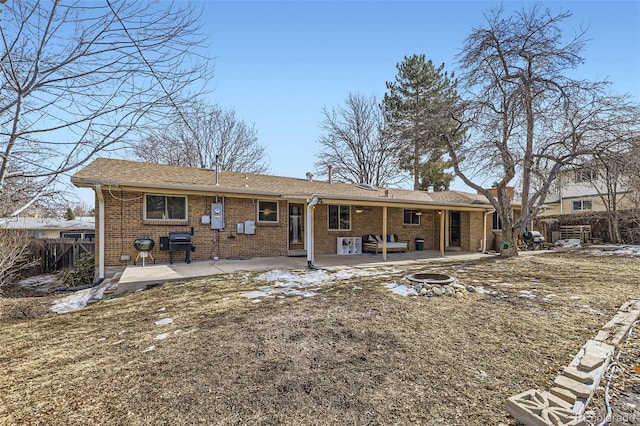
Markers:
(418, 212)
(359, 209)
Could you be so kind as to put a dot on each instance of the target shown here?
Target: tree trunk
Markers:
(614, 228)
(509, 244)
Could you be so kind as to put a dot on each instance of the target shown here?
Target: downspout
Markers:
(309, 232)
(98, 190)
(484, 230)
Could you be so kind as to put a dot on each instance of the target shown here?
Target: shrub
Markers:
(80, 274)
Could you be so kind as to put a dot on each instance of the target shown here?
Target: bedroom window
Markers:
(412, 217)
(268, 211)
(339, 218)
(165, 207)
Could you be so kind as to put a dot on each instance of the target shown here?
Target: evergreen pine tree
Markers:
(419, 103)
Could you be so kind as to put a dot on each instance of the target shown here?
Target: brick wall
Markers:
(370, 222)
(475, 230)
(124, 223)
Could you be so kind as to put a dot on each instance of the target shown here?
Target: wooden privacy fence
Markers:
(54, 254)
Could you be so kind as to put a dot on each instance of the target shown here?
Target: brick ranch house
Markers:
(243, 215)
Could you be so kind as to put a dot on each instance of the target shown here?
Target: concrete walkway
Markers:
(135, 277)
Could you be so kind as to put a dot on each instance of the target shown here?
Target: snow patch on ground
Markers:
(610, 250)
(164, 321)
(569, 243)
(299, 283)
(77, 300)
(401, 290)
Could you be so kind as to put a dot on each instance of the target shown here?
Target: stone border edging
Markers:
(566, 402)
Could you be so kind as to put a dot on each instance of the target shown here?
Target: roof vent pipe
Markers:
(329, 169)
(309, 176)
(217, 168)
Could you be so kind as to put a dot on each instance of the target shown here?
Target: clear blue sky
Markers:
(278, 63)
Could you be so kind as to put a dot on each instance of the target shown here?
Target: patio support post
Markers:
(384, 233)
(442, 228)
(100, 231)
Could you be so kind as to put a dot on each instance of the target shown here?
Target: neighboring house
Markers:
(241, 215)
(581, 190)
(82, 228)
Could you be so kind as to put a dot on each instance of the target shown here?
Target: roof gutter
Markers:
(380, 201)
(180, 188)
(98, 189)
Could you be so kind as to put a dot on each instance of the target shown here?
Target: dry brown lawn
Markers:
(355, 354)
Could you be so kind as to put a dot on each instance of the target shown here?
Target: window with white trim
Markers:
(267, 211)
(339, 217)
(581, 205)
(165, 207)
(411, 217)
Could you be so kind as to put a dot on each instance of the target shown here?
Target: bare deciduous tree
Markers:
(526, 117)
(14, 251)
(78, 78)
(205, 135)
(356, 144)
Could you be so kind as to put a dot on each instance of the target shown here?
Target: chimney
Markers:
(309, 176)
(329, 168)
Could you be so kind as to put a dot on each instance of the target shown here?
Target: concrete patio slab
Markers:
(138, 276)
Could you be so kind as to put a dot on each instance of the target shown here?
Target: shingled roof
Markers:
(152, 176)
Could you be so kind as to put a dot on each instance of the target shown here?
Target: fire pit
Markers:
(431, 278)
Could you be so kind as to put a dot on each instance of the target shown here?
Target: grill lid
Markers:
(143, 244)
(179, 237)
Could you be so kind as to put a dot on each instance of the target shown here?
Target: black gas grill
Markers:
(179, 241)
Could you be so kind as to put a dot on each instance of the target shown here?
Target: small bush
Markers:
(81, 274)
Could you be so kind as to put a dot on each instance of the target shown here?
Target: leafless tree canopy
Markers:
(355, 144)
(202, 133)
(77, 78)
(526, 117)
